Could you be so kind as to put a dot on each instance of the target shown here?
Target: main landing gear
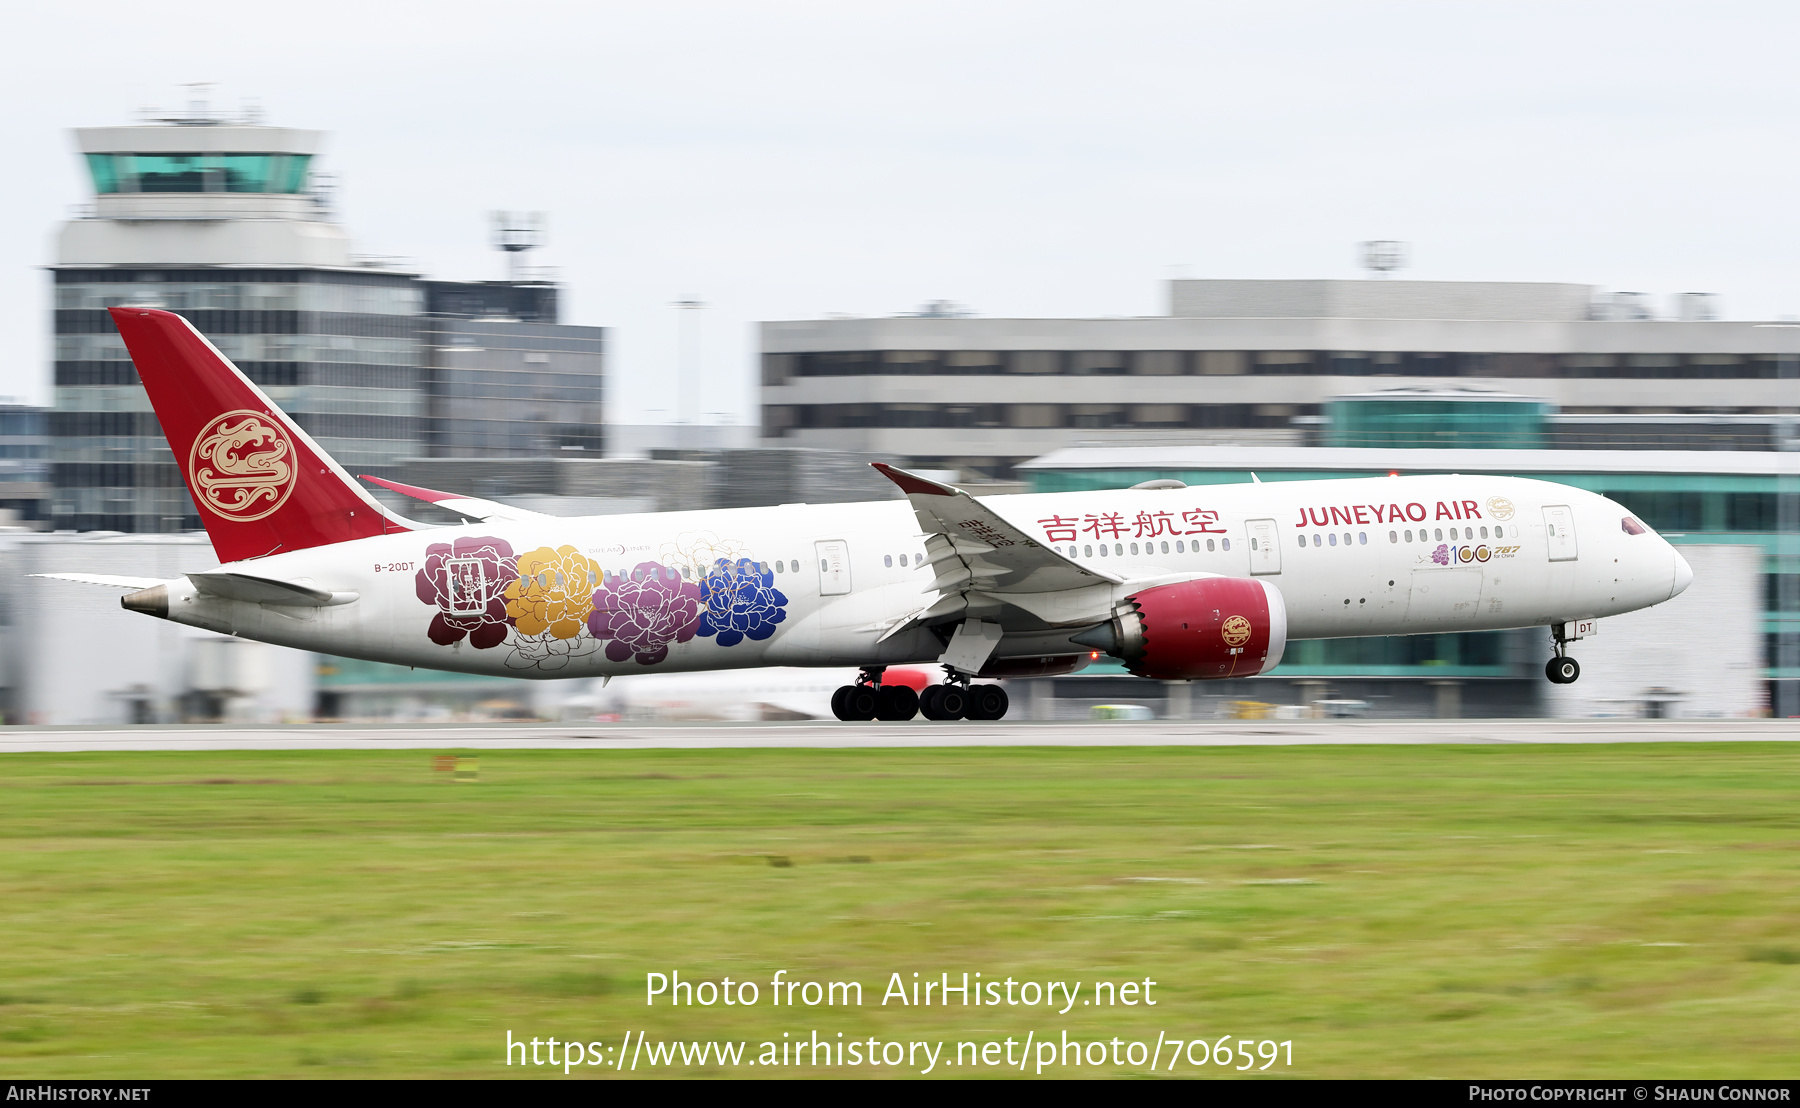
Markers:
(1562, 669)
(956, 698)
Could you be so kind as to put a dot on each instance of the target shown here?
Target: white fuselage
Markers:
(1374, 556)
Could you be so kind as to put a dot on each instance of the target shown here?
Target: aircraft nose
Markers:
(1684, 575)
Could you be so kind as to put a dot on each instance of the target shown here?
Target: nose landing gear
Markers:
(1562, 669)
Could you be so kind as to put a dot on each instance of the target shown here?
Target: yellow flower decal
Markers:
(554, 592)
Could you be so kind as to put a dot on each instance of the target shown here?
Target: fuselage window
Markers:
(1103, 550)
(1165, 548)
(1180, 547)
(1484, 532)
(821, 565)
(1409, 536)
(1209, 546)
(1394, 536)
(1227, 543)
(1302, 542)
(1440, 534)
(1088, 551)
(887, 560)
(903, 561)
(1118, 548)
(1362, 538)
(1334, 539)
(1134, 548)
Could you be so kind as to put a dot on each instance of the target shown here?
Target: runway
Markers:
(917, 734)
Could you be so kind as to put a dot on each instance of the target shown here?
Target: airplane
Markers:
(1175, 582)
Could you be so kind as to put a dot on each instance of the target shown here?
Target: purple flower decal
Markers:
(466, 581)
(741, 602)
(1441, 555)
(644, 613)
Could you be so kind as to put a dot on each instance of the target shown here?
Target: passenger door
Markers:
(1265, 550)
(834, 567)
(1559, 532)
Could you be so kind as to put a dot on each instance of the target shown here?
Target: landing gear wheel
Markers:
(860, 704)
(895, 703)
(987, 702)
(943, 702)
(1562, 671)
(853, 703)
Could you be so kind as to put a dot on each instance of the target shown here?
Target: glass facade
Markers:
(1432, 421)
(503, 388)
(257, 173)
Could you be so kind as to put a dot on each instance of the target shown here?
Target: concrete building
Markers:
(1726, 647)
(222, 222)
(1256, 363)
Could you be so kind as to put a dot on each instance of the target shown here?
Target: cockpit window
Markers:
(1631, 526)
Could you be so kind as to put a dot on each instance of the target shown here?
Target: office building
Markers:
(1259, 363)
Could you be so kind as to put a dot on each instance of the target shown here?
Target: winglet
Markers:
(912, 484)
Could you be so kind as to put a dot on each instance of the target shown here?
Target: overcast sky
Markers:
(783, 160)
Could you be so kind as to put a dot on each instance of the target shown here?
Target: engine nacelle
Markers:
(1204, 629)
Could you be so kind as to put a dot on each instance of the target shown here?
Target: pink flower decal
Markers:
(644, 613)
(466, 581)
(1441, 555)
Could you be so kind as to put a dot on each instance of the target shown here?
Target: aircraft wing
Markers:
(105, 580)
(470, 507)
(982, 561)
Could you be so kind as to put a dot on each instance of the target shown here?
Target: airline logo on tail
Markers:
(242, 466)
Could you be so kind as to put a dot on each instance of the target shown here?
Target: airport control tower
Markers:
(224, 222)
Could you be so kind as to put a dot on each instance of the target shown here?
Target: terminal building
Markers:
(222, 221)
(1261, 363)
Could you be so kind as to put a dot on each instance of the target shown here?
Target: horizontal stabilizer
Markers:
(105, 580)
(469, 507)
(265, 590)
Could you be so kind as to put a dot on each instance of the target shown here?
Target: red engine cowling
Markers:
(1204, 629)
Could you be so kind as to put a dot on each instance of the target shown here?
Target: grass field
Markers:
(1393, 911)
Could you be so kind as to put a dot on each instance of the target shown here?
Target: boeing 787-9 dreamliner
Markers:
(1176, 582)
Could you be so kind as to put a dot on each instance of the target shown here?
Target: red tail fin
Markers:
(261, 483)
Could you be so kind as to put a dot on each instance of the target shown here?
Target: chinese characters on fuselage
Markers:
(1145, 525)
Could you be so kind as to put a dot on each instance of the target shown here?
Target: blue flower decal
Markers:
(741, 602)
